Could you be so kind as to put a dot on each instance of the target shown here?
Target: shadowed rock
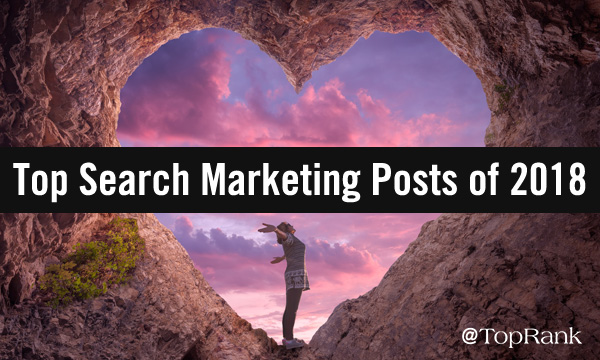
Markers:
(502, 271)
(63, 63)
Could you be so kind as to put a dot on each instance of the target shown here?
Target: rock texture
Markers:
(502, 271)
(166, 311)
(546, 53)
(63, 63)
(26, 240)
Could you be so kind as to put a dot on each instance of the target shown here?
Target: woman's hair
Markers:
(282, 227)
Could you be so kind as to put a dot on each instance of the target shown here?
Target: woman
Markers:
(296, 279)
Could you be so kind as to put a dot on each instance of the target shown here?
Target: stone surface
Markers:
(547, 52)
(501, 271)
(27, 242)
(63, 63)
(165, 311)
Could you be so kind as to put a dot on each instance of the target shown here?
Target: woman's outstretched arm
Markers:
(273, 228)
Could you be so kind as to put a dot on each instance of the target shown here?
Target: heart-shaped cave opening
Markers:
(213, 88)
(64, 64)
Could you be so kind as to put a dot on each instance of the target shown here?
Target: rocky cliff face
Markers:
(63, 64)
(501, 271)
(166, 311)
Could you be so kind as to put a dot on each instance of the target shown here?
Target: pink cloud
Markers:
(373, 108)
(189, 106)
(384, 236)
(215, 93)
(347, 255)
(273, 94)
(220, 73)
(208, 247)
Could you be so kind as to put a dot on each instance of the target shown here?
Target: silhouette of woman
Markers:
(296, 278)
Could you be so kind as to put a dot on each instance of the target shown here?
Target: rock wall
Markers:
(63, 63)
(502, 271)
(27, 240)
(538, 63)
(166, 311)
(544, 53)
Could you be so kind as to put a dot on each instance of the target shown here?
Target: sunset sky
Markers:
(213, 88)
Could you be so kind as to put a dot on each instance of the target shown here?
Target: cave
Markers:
(63, 64)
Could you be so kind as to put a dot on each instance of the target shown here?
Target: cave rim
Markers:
(302, 90)
(488, 97)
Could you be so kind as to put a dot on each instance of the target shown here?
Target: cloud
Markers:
(341, 258)
(214, 241)
(379, 238)
(347, 255)
(221, 252)
(239, 269)
(184, 99)
(213, 88)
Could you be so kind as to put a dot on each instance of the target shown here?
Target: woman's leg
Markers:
(292, 300)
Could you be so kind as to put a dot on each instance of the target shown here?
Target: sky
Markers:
(213, 88)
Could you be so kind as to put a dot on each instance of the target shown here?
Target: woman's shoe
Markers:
(292, 344)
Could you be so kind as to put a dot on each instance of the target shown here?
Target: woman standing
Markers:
(296, 278)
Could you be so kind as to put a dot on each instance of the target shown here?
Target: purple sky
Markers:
(213, 88)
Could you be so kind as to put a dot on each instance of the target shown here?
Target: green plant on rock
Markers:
(93, 266)
(506, 92)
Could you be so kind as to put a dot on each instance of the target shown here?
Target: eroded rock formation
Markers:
(166, 311)
(64, 62)
(501, 271)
